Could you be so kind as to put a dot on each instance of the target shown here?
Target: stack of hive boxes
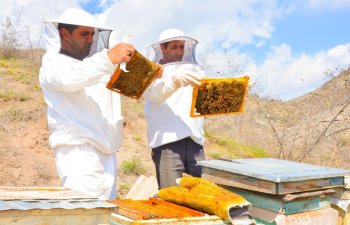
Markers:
(282, 192)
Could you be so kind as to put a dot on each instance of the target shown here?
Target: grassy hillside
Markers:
(316, 124)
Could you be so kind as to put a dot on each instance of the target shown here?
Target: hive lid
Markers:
(275, 170)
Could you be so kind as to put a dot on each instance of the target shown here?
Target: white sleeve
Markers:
(71, 76)
(159, 90)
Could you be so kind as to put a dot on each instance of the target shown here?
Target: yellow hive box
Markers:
(217, 96)
(133, 83)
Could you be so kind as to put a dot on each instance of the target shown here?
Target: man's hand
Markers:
(160, 72)
(121, 53)
(185, 79)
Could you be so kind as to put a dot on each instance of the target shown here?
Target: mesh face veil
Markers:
(78, 17)
(173, 47)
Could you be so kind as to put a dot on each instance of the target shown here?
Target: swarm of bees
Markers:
(219, 96)
(133, 83)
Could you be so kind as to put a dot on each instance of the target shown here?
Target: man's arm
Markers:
(162, 88)
(59, 75)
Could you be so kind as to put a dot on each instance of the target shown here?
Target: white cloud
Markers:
(223, 23)
(34, 12)
(328, 5)
(288, 76)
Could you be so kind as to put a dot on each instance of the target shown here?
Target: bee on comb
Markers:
(219, 96)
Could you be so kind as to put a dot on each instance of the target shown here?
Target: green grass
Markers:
(10, 95)
(227, 147)
(215, 155)
(137, 137)
(7, 96)
(20, 69)
(133, 166)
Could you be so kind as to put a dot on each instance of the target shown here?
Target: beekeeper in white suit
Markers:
(176, 139)
(84, 117)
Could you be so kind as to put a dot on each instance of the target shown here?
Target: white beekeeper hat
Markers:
(79, 17)
(155, 53)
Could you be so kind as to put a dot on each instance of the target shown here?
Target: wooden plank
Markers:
(342, 193)
(309, 185)
(278, 205)
(117, 219)
(237, 180)
(172, 206)
(51, 193)
(56, 216)
(153, 208)
(347, 182)
(143, 188)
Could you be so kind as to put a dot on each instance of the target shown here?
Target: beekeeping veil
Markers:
(155, 53)
(74, 16)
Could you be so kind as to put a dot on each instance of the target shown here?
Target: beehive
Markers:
(157, 211)
(219, 96)
(133, 83)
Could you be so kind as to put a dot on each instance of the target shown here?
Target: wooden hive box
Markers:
(272, 176)
(53, 206)
(287, 204)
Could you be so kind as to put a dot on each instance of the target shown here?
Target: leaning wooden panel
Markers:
(218, 96)
(133, 83)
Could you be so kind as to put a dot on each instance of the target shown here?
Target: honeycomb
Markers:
(219, 96)
(133, 83)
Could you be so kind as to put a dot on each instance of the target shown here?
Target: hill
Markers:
(26, 159)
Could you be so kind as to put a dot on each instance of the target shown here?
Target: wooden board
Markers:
(272, 176)
(117, 219)
(143, 188)
(152, 209)
(342, 193)
(26, 193)
(278, 205)
(56, 216)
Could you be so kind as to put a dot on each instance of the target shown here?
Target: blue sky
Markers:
(285, 46)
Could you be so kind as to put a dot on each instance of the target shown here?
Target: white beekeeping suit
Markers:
(167, 109)
(167, 103)
(84, 117)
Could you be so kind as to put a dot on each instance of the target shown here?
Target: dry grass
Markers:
(23, 129)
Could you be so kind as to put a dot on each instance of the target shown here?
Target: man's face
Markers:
(173, 52)
(78, 43)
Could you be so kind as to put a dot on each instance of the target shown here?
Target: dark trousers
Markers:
(173, 159)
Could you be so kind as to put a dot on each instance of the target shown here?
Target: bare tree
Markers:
(10, 30)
